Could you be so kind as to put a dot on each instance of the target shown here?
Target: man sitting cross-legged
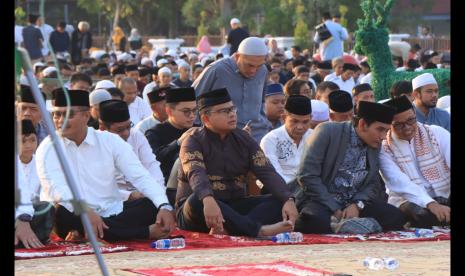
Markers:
(212, 190)
(95, 157)
(415, 162)
(338, 175)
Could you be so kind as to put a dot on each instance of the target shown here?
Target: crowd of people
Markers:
(159, 139)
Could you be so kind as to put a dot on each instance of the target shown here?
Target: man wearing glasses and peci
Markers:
(415, 164)
(181, 109)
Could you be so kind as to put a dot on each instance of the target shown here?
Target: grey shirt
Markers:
(435, 116)
(246, 94)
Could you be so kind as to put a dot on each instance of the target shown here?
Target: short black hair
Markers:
(80, 77)
(356, 120)
(302, 69)
(326, 15)
(297, 62)
(116, 92)
(401, 87)
(297, 48)
(365, 64)
(275, 60)
(327, 85)
(61, 24)
(32, 18)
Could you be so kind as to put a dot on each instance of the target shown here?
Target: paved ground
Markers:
(420, 258)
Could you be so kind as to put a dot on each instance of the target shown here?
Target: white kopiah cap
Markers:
(443, 102)
(47, 71)
(161, 62)
(422, 80)
(104, 84)
(253, 46)
(234, 21)
(320, 111)
(99, 95)
(164, 70)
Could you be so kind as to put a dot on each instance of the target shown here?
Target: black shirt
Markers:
(163, 141)
(235, 38)
(180, 83)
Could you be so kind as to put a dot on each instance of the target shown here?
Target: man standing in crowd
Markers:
(338, 175)
(244, 74)
(33, 39)
(415, 163)
(332, 47)
(236, 35)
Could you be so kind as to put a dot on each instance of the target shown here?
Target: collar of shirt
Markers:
(90, 138)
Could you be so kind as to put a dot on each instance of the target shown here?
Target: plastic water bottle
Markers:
(424, 233)
(288, 237)
(169, 243)
(390, 263)
(373, 263)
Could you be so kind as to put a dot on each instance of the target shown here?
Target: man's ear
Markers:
(168, 110)
(283, 116)
(331, 116)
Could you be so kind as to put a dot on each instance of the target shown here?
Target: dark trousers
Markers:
(244, 217)
(315, 217)
(42, 222)
(422, 217)
(132, 223)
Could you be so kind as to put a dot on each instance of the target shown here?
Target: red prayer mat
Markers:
(279, 268)
(196, 241)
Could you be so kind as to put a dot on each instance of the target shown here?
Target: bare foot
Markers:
(74, 236)
(273, 229)
(215, 231)
(155, 232)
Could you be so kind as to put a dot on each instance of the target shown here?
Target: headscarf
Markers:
(118, 34)
(134, 35)
(204, 46)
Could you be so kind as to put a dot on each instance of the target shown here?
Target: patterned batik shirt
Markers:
(352, 172)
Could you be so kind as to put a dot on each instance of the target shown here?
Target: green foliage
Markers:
(20, 16)
(372, 41)
(202, 29)
(301, 34)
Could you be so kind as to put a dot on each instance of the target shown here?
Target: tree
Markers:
(301, 34)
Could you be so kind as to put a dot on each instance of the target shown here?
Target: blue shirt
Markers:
(32, 39)
(333, 48)
(435, 116)
(247, 94)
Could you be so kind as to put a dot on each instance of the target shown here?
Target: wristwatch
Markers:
(25, 218)
(360, 205)
(165, 206)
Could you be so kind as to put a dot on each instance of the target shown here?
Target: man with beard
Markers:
(425, 92)
(409, 155)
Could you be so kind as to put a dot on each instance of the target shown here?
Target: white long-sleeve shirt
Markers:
(146, 124)
(400, 187)
(283, 152)
(30, 171)
(25, 193)
(139, 110)
(94, 165)
(347, 85)
(142, 149)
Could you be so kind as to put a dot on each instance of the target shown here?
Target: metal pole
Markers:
(78, 204)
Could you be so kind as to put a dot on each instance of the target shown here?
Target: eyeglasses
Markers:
(226, 111)
(188, 112)
(410, 122)
(72, 113)
(122, 129)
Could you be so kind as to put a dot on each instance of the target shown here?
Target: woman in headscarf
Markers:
(135, 40)
(119, 39)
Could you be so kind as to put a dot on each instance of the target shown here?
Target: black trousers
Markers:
(42, 222)
(421, 217)
(315, 217)
(244, 217)
(132, 223)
